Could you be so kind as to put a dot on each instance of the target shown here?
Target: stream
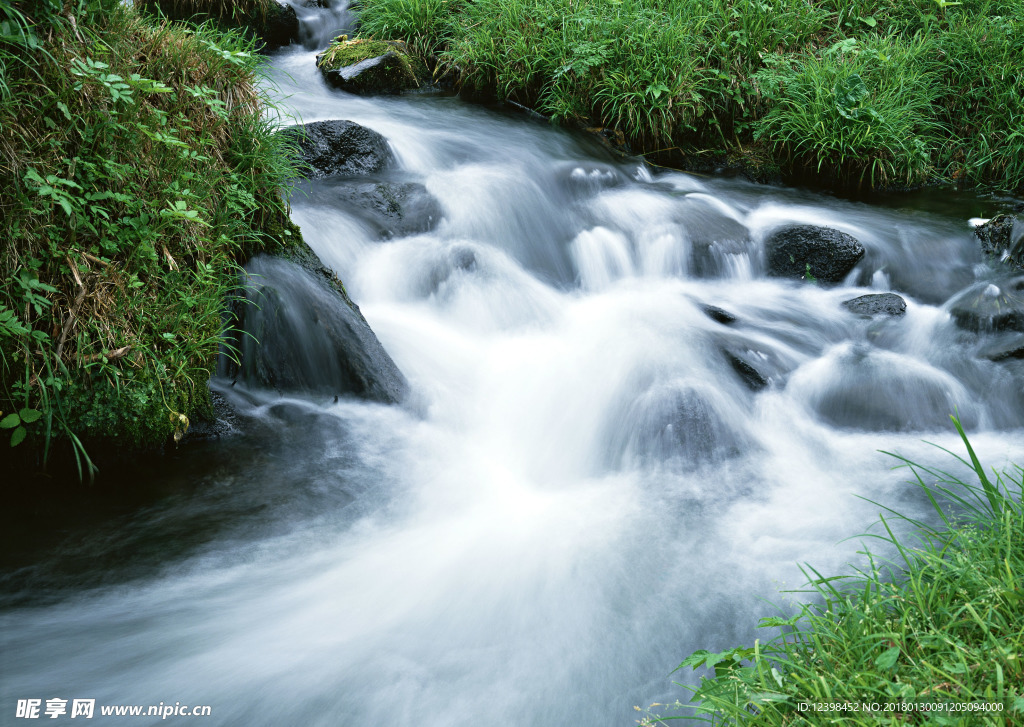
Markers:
(582, 487)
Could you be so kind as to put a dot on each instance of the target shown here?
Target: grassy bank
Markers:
(136, 172)
(866, 92)
(923, 640)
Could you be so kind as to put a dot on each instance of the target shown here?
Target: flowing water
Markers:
(581, 487)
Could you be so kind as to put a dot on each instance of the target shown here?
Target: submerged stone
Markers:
(1003, 348)
(681, 423)
(828, 255)
(393, 209)
(859, 387)
(990, 306)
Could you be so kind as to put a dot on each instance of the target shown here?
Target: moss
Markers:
(396, 71)
(344, 52)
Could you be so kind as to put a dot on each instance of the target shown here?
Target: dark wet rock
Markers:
(304, 335)
(280, 27)
(394, 209)
(877, 304)
(751, 376)
(1003, 238)
(860, 387)
(757, 366)
(995, 306)
(1003, 348)
(340, 148)
(718, 314)
(369, 67)
(827, 254)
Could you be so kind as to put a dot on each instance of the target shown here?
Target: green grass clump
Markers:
(941, 96)
(137, 169)
(918, 641)
(854, 111)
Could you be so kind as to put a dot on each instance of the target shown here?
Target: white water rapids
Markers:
(580, 491)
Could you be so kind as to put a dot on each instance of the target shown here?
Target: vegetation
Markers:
(137, 169)
(923, 640)
(870, 92)
(268, 22)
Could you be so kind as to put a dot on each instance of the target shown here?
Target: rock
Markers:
(720, 244)
(279, 27)
(303, 334)
(457, 259)
(757, 366)
(369, 67)
(1005, 347)
(990, 306)
(584, 180)
(394, 209)
(717, 314)
(860, 387)
(1003, 237)
(827, 254)
(340, 148)
(877, 304)
(679, 423)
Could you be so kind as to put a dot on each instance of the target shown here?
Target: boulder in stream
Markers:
(303, 333)
(1003, 347)
(719, 315)
(757, 365)
(859, 387)
(876, 304)
(990, 306)
(369, 67)
(680, 423)
(340, 148)
(827, 254)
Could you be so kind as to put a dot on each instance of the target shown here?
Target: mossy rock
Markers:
(371, 67)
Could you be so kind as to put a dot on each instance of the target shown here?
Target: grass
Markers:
(922, 640)
(858, 93)
(137, 169)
